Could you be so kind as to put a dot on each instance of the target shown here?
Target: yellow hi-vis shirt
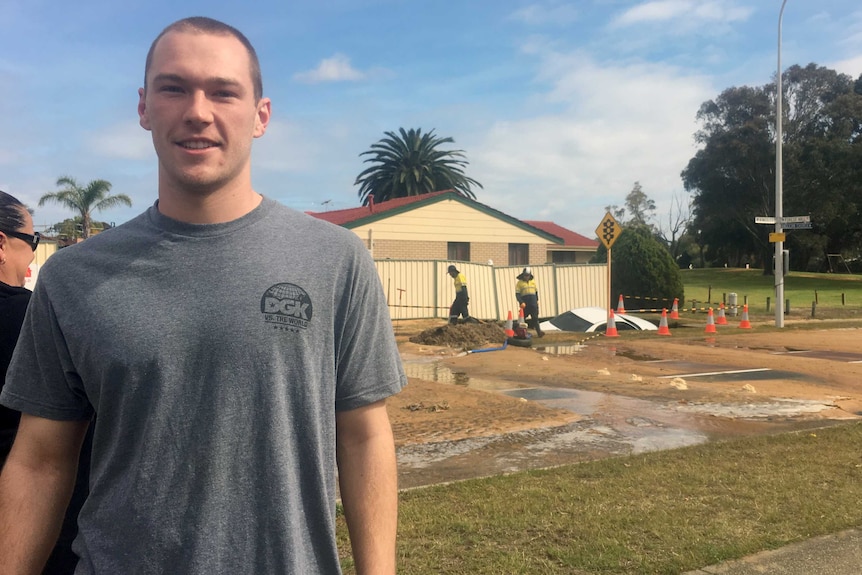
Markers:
(460, 282)
(527, 287)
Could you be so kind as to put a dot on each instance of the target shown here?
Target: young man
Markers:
(229, 375)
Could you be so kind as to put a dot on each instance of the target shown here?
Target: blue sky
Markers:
(559, 106)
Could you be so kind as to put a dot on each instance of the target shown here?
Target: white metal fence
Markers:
(423, 289)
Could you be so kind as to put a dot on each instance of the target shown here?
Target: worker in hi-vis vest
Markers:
(459, 306)
(528, 297)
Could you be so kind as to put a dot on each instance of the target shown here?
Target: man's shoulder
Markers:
(294, 220)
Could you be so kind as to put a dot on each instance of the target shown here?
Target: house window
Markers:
(519, 254)
(459, 251)
(563, 257)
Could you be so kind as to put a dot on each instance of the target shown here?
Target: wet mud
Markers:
(609, 425)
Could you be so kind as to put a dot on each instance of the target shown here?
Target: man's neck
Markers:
(215, 208)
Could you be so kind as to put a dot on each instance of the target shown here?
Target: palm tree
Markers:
(411, 165)
(85, 200)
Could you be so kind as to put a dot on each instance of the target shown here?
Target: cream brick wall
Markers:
(480, 252)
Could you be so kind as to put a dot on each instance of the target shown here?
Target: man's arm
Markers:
(368, 478)
(35, 486)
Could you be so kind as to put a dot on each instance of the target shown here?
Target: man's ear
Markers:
(143, 119)
(264, 113)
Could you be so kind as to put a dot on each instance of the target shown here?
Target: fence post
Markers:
(768, 301)
(813, 307)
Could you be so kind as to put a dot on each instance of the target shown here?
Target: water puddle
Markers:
(611, 425)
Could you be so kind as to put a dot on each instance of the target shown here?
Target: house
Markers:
(448, 226)
(576, 249)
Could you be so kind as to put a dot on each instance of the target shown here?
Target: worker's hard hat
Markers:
(527, 271)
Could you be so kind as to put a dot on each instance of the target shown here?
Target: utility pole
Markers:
(779, 182)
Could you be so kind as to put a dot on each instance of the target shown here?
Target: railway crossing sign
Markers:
(608, 231)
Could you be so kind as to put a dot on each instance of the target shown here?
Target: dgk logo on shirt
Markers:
(286, 306)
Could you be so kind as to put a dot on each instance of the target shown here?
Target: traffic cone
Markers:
(710, 322)
(521, 321)
(662, 325)
(620, 307)
(611, 330)
(509, 331)
(745, 324)
(674, 311)
(721, 319)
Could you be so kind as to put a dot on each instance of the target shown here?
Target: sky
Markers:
(560, 107)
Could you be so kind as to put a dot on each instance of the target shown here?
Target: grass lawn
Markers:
(836, 295)
(661, 512)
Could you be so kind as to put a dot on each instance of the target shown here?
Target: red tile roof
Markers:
(570, 238)
(341, 217)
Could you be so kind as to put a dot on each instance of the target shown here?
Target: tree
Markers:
(732, 177)
(639, 206)
(642, 266)
(71, 229)
(85, 200)
(410, 165)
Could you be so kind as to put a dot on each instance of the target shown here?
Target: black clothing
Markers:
(13, 306)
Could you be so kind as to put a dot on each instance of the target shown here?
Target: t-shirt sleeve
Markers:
(368, 363)
(41, 379)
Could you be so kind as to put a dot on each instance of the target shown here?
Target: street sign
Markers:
(797, 226)
(608, 231)
(787, 220)
(777, 237)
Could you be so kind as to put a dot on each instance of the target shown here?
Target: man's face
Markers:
(199, 105)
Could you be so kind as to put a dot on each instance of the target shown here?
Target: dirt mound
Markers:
(462, 336)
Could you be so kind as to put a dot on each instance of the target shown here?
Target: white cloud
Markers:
(689, 11)
(334, 69)
(124, 140)
(612, 125)
(851, 66)
(538, 14)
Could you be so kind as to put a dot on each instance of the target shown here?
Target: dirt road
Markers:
(484, 413)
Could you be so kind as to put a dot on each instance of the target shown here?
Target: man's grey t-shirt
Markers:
(215, 357)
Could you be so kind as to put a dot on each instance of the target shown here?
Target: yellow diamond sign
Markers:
(608, 231)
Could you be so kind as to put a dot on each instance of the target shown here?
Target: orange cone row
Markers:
(662, 326)
(509, 331)
(721, 319)
(674, 311)
(744, 323)
(620, 307)
(611, 330)
(710, 323)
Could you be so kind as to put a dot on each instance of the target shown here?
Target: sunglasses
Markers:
(33, 240)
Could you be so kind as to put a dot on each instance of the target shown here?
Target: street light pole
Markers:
(779, 181)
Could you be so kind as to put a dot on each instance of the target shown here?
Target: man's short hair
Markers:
(202, 24)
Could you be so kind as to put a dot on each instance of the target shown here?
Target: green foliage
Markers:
(642, 266)
(732, 177)
(410, 164)
(85, 199)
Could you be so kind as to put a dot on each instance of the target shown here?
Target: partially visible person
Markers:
(528, 297)
(18, 244)
(17, 249)
(462, 299)
(237, 354)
